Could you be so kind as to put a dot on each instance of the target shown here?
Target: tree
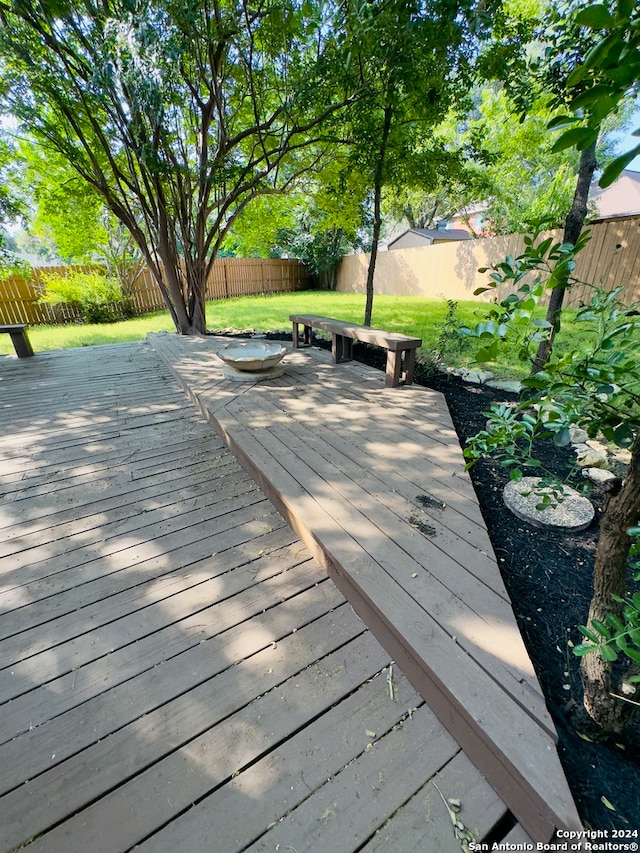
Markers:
(522, 180)
(563, 43)
(600, 386)
(70, 216)
(177, 113)
(423, 209)
(597, 388)
(412, 59)
(606, 76)
(11, 207)
(66, 211)
(318, 222)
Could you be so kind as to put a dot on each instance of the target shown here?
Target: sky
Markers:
(628, 141)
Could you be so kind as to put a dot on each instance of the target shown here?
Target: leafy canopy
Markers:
(177, 112)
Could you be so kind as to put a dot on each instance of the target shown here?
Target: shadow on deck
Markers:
(373, 481)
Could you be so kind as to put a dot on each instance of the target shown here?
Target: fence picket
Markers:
(229, 277)
(450, 270)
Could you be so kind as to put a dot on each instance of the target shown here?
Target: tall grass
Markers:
(422, 318)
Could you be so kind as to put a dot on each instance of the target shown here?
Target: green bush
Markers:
(96, 297)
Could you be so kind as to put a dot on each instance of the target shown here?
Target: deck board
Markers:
(428, 585)
(176, 670)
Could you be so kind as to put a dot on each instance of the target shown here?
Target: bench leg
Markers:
(306, 336)
(21, 344)
(400, 368)
(341, 349)
(409, 365)
(394, 367)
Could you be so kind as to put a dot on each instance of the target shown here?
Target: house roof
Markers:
(432, 234)
(622, 198)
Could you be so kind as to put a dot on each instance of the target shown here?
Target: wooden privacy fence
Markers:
(229, 277)
(450, 270)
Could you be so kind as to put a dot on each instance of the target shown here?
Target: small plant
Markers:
(613, 635)
(509, 437)
(450, 346)
(96, 297)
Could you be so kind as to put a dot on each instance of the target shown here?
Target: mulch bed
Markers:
(548, 576)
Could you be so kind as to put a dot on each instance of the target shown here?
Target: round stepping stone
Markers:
(574, 512)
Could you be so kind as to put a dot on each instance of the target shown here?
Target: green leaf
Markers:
(625, 8)
(597, 17)
(488, 353)
(591, 97)
(584, 649)
(608, 653)
(579, 137)
(562, 122)
(601, 628)
(623, 436)
(614, 169)
(562, 438)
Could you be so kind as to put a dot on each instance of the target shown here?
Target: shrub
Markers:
(95, 296)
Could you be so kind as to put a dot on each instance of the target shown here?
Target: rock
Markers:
(574, 512)
(512, 386)
(478, 377)
(578, 435)
(599, 477)
(588, 457)
(597, 445)
(620, 455)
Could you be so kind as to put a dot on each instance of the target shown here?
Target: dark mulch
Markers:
(548, 577)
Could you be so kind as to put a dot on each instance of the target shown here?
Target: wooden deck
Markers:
(177, 673)
(373, 481)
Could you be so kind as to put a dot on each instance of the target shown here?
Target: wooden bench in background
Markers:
(401, 349)
(21, 342)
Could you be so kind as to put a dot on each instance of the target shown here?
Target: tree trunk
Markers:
(377, 213)
(610, 578)
(572, 228)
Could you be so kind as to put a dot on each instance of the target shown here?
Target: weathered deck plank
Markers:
(448, 626)
(186, 671)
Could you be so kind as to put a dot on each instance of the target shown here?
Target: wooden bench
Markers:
(401, 349)
(21, 342)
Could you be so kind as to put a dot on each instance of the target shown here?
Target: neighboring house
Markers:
(426, 237)
(622, 198)
(472, 218)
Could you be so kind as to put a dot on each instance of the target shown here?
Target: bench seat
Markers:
(19, 338)
(401, 349)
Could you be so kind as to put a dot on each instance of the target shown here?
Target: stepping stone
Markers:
(573, 512)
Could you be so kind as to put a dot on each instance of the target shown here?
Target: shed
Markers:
(426, 237)
(621, 198)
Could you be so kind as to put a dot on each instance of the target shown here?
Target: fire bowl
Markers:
(252, 357)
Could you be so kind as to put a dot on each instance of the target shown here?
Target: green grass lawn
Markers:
(422, 318)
